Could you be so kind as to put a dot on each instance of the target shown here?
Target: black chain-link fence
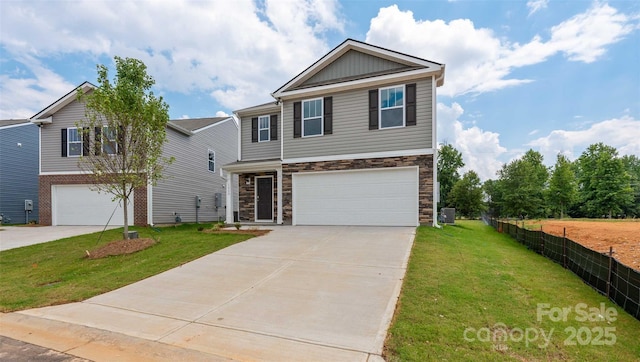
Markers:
(601, 271)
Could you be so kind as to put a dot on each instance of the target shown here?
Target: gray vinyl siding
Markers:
(258, 150)
(351, 132)
(18, 171)
(189, 174)
(352, 64)
(52, 160)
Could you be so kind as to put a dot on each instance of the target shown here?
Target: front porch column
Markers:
(279, 187)
(229, 199)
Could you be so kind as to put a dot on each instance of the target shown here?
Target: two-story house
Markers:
(200, 147)
(349, 141)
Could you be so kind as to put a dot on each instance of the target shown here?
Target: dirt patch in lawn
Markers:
(120, 247)
(623, 236)
(256, 232)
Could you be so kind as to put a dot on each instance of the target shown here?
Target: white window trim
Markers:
(209, 152)
(69, 142)
(302, 119)
(404, 104)
(268, 128)
(104, 137)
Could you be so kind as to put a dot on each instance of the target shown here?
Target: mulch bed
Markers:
(120, 247)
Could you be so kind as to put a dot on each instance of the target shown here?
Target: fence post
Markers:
(609, 277)
(564, 248)
(541, 241)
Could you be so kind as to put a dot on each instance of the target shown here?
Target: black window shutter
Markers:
(328, 115)
(373, 109)
(86, 142)
(64, 142)
(411, 105)
(297, 119)
(120, 138)
(254, 129)
(98, 143)
(273, 123)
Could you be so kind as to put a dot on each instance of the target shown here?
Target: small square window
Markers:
(264, 129)
(212, 161)
(392, 107)
(312, 122)
(74, 142)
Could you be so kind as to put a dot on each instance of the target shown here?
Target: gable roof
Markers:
(194, 125)
(390, 65)
(44, 116)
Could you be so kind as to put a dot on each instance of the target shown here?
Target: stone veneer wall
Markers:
(139, 196)
(247, 195)
(424, 162)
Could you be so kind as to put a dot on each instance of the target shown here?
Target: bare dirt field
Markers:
(622, 235)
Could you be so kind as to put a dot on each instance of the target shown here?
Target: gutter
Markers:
(434, 131)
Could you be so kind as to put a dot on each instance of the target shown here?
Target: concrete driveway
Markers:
(18, 236)
(298, 293)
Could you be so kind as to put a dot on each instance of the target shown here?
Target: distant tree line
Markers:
(598, 184)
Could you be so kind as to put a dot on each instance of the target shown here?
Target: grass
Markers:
(469, 277)
(57, 272)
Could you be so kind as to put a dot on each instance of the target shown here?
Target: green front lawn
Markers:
(57, 272)
(472, 294)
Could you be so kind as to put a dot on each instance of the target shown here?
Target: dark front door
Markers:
(264, 198)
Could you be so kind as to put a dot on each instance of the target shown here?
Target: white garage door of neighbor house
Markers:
(79, 205)
(382, 197)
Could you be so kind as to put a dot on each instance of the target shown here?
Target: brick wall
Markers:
(424, 163)
(46, 181)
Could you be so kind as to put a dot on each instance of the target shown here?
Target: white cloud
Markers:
(622, 133)
(536, 5)
(237, 51)
(222, 114)
(478, 61)
(480, 149)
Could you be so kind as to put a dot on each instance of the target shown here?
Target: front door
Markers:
(264, 198)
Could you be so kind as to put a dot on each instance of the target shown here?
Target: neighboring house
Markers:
(19, 145)
(200, 147)
(349, 141)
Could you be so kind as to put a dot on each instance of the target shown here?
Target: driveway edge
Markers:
(93, 344)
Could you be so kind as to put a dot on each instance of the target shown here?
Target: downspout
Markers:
(434, 142)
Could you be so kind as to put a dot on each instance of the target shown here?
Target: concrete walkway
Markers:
(18, 236)
(298, 293)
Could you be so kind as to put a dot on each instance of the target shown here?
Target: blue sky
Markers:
(550, 75)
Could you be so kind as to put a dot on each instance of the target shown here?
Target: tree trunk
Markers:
(125, 202)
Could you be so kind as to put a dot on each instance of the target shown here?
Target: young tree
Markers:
(449, 162)
(605, 185)
(563, 189)
(128, 123)
(466, 195)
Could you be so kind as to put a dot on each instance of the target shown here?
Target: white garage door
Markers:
(79, 205)
(384, 197)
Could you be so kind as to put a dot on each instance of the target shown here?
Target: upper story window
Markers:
(312, 118)
(74, 142)
(392, 107)
(212, 161)
(264, 129)
(109, 141)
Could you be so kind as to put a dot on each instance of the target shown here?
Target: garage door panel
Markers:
(369, 197)
(79, 205)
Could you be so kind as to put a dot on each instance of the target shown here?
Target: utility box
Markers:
(448, 215)
(28, 205)
(198, 202)
(218, 200)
